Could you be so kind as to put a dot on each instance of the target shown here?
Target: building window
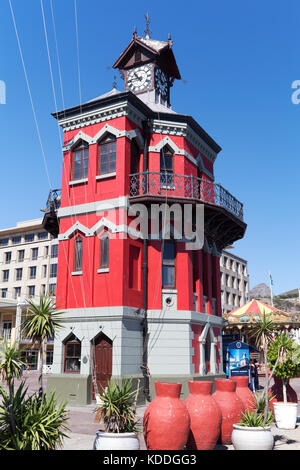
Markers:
(17, 292)
(43, 290)
(107, 155)
(104, 251)
(168, 264)
(134, 270)
(16, 240)
(4, 242)
(3, 293)
(5, 275)
(19, 272)
(53, 270)
(78, 243)
(46, 251)
(34, 254)
(30, 358)
(31, 291)
(52, 289)
(166, 168)
(43, 235)
(54, 251)
(8, 257)
(44, 270)
(72, 355)
(80, 165)
(32, 272)
(21, 254)
(49, 358)
(29, 237)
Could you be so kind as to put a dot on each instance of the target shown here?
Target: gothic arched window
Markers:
(107, 155)
(72, 355)
(78, 250)
(104, 251)
(166, 168)
(80, 162)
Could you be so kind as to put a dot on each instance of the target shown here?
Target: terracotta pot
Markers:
(231, 407)
(277, 390)
(166, 419)
(205, 416)
(243, 392)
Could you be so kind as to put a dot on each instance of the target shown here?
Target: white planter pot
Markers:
(244, 438)
(285, 415)
(111, 441)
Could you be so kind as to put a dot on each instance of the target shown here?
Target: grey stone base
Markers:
(75, 389)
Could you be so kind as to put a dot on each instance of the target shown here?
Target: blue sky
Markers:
(238, 61)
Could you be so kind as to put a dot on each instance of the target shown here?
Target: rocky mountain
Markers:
(261, 290)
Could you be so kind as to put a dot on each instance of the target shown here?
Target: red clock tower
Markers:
(138, 306)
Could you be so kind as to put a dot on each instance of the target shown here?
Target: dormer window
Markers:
(80, 164)
(107, 155)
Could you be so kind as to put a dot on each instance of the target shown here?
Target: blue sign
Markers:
(237, 358)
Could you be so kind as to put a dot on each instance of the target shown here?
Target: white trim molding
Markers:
(107, 129)
(97, 228)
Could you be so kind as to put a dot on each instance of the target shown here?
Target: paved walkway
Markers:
(83, 429)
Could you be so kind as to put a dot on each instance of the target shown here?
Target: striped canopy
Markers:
(254, 310)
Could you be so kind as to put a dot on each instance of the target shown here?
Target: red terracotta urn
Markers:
(231, 407)
(205, 416)
(166, 419)
(243, 392)
(277, 391)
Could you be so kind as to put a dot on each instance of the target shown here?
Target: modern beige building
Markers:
(28, 269)
(234, 281)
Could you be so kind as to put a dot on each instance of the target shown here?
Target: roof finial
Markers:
(134, 32)
(115, 83)
(147, 30)
(170, 42)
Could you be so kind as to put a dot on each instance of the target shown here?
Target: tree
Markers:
(284, 357)
(263, 332)
(40, 325)
(11, 367)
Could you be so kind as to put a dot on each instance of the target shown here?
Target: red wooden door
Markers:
(102, 355)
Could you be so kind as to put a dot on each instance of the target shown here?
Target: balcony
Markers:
(224, 215)
(50, 221)
(169, 185)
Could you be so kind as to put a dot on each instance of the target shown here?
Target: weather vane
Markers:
(147, 30)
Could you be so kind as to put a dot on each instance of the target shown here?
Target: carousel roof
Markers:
(254, 310)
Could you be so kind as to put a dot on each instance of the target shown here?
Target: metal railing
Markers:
(53, 201)
(171, 185)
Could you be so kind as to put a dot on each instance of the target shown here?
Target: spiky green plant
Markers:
(11, 364)
(253, 419)
(40, 424)
(41, 323)
(116, 410)
(263, 332)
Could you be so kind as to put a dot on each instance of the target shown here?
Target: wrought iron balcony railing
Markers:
(53, 201)
(181, 186)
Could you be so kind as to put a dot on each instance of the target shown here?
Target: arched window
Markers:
(104, 251)
(72, 355)
(78, 250)
(166, 168)
(107, 155)
(80, 162)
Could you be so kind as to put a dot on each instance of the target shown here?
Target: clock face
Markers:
(161, 82)
(139, 78)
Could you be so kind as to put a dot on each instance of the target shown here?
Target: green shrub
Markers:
(38, 422)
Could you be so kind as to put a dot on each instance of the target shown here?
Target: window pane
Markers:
(168, 276)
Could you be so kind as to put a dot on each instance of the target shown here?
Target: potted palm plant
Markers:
(286, 367)
(117, 412)
(254, 430)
